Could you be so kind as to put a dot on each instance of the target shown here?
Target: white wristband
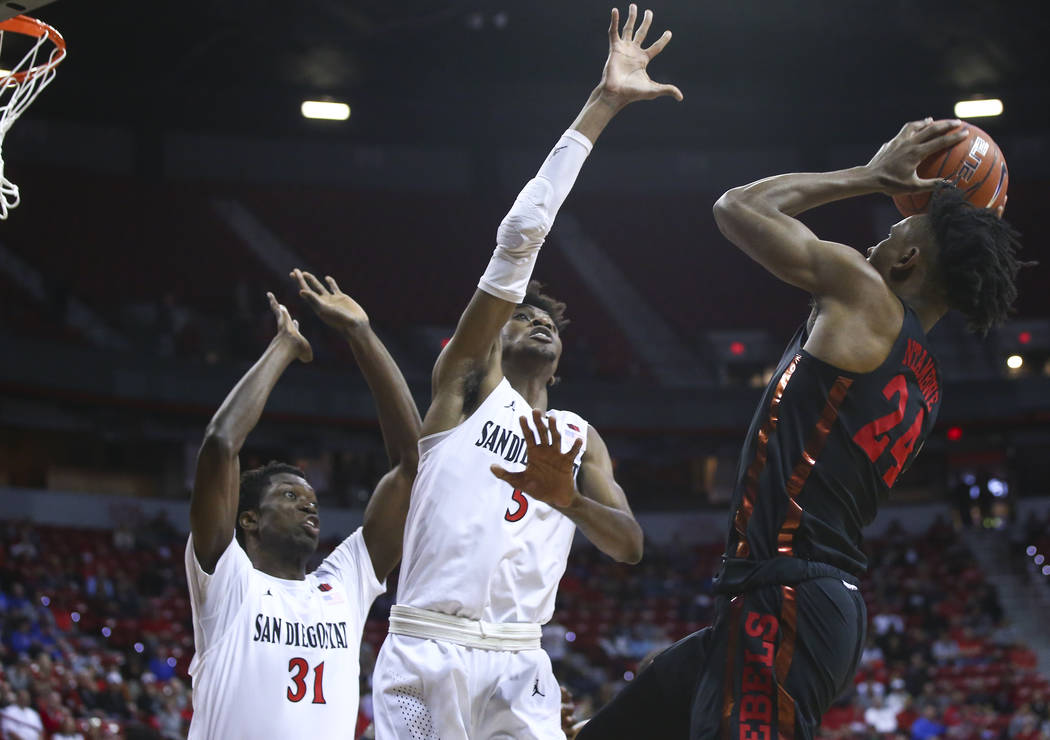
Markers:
(529, 220)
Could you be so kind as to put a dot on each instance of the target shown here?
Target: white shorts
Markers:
(427, 689)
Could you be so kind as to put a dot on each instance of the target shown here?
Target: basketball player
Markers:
(849, 406)
(483, 553)
(277, 648)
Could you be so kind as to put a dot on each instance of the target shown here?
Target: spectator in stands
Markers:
(18, 720)
(928, 725)
(945, 649)
(1024, 725)
(880, 716)
(67, 730)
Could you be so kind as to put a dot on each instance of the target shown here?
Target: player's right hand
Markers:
(288, 330)
(332, 306)
(895, 163)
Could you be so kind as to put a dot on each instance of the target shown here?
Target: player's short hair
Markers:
(977, 263)
(535, 297)
(254, 483)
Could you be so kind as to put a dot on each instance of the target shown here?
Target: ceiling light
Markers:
(325, 110)
(978, 108)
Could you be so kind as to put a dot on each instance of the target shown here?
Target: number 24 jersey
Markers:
(826, 446)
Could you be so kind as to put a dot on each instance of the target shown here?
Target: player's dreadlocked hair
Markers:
(253, 483)
(534, 296)
(977, 264)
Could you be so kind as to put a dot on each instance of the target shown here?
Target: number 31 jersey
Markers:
(474, 546)
(826, 446)
(276, 657)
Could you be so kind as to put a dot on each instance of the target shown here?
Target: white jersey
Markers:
(474, 546)
(277, 657)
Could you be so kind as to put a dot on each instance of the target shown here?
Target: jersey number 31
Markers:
(300, 670)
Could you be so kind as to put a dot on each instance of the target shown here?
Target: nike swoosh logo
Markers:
(558, 149)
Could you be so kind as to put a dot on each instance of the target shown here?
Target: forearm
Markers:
(596, 113)
(241, 409)
(384, 521)
(614, 532)
(796, 192)
(398, 416)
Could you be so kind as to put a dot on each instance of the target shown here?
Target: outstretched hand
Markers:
(547, 475)
(896, 161)
(288, 330)
(332, 306)
(625, 79)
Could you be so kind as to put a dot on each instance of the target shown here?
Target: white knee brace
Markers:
(523, 229)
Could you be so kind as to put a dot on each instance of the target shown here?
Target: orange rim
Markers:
(28, 26)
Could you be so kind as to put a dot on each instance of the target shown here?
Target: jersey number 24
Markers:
(875, 437)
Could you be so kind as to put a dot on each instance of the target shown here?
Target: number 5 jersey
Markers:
(275, 657)
(823, 451)
(474, 546)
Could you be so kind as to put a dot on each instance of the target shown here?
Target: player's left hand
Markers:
(625, 79)
(547, 475)
(332, 306)
(895, 163)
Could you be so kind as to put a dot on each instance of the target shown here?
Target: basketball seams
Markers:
(985, 192)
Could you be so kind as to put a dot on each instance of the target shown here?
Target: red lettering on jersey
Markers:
(765, 657)
(523, 506)
(761, 625)
(760, 732)
(756, 707)
(756, 679)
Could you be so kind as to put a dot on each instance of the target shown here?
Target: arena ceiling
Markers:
(445, 72)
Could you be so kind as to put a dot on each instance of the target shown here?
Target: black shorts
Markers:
(772, 663)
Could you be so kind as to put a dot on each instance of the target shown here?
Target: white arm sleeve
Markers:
(526, 225)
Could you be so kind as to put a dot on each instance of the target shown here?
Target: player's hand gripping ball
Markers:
(975, 165)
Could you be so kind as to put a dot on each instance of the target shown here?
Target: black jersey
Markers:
(824, 449)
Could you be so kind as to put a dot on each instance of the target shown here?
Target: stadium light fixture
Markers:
(325, 110)
(978, 108)
(1014, 362)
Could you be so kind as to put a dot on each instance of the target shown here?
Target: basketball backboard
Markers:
(11, 8)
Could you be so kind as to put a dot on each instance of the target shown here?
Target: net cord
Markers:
(15, 96)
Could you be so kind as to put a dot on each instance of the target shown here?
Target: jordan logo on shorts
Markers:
(536, 688)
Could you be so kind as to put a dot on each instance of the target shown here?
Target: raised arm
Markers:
(399, 422)
(599, 508)
(213, 504)
(469, 366)
(760, 218)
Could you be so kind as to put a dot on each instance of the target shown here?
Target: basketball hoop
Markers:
(20, 85)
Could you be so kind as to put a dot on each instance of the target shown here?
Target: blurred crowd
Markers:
(97, 636)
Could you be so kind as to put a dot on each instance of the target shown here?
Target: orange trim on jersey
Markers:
(736, 607)
(782, 663)
(747, 505)
(814, 446)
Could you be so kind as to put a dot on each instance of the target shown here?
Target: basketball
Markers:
(977, 167)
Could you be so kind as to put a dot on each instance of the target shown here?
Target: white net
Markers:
(21, 83)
